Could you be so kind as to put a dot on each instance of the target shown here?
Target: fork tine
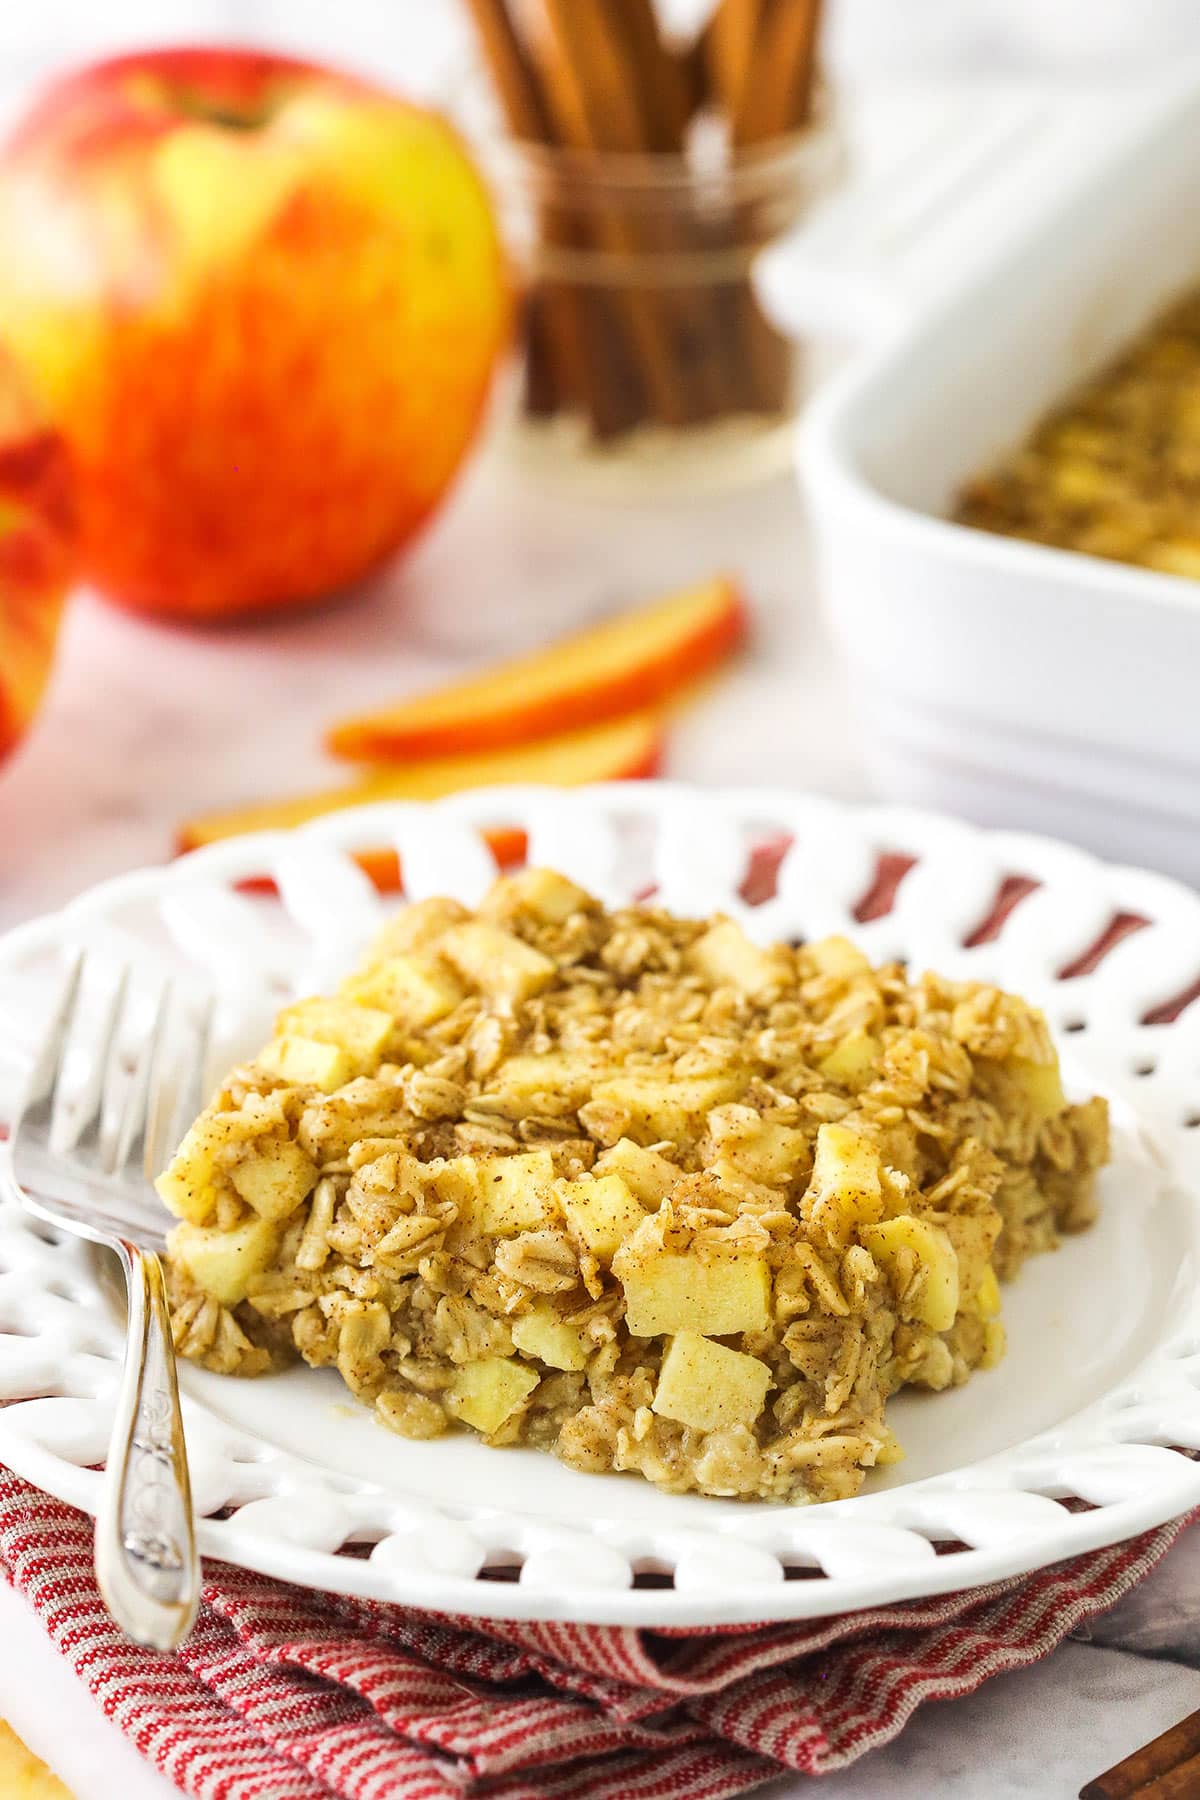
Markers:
(88, 1120)
(192, 1091)
(38, 1110)
(129, 1148)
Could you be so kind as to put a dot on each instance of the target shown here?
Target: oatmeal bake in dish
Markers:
(630, 1188)
(1114, 471)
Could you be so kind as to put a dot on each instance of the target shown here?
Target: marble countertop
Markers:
(145, 724)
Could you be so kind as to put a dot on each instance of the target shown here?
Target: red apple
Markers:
(264, 302)
(36, 552)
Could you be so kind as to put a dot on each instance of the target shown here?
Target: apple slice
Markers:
(623, 750)
(633, 661)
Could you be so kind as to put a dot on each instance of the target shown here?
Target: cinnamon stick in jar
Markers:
(771, 100)
(605, 99)
(646, 314)
(727, 46)
(691, 62)
(661, 87)
(710, 352)
(569, 354)
(777, 91)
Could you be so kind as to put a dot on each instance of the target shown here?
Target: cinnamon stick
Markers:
(594, 108)
(660, 86)
(543, 390)
(608, 76)
(516, 81)
(563, 329)
(774, 99)
(691, 60)
(714, 344)
(710, 344)
(597, 77)
(1168, 1768)
(776, 94)
(728, 43)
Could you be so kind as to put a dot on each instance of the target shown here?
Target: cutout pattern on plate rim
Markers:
(993, 906)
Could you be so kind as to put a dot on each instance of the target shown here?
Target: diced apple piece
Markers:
(417, 927)
(837, 957)
(361, 1031)
(224, 1263)
(549, 896)
(974, 1238)
(776, 1152)
(568, 1077)
(276, 1179)
(496, 962)
(485, 1393)
(649, 1176)
(601, 1212)
(995, 1343)
(187, 1192)
(985, 1301)
(1040, 1085)
(191, 1184)
(668, 1291)
(664, 1110)
(708, 1386)
(515, 1193)
(417, 989)
(188, 1186)
(510, 1192)
(905, 1243)
(726, 957)
(1080, 482)
(853, 1061)
(771, 1154)
(307, 1062)
(542, 1333)
(738, 1186)
(846, 1188)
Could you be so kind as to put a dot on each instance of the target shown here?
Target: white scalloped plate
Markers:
(1075, 1441)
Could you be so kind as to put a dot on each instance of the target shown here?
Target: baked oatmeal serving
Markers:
(629, 1188)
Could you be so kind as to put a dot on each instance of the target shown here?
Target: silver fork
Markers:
(77, 1170)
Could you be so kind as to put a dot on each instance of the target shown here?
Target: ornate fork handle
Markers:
(146, 1560)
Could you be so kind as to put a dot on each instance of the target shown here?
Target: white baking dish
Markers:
(1018, 684)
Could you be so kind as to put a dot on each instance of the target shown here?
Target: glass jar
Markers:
(646, 353)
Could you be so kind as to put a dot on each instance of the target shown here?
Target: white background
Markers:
(399, 40)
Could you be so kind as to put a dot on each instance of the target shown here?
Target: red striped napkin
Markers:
(281, 1694)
